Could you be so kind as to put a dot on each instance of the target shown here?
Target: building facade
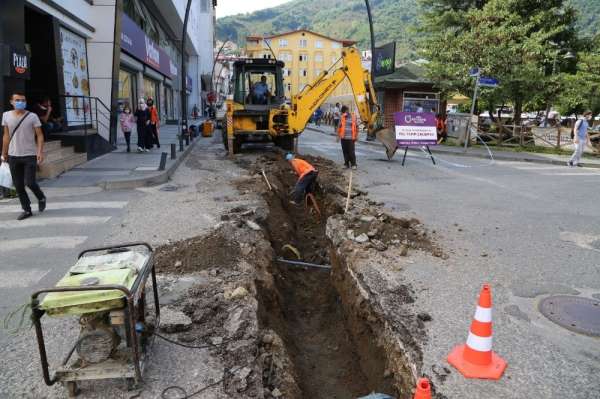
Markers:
(306, 55)
(93, 57)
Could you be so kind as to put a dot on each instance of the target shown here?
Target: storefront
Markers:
(146, 70)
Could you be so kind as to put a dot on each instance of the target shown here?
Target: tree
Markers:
(581, 91)
(506, 39)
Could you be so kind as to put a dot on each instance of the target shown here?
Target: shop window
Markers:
(420, 102)
(126, 89)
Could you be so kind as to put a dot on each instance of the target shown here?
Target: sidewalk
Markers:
(551, 159)
(122, 170)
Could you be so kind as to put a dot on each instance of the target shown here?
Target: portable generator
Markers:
(106, 290)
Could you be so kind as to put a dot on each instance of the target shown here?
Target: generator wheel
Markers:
(72, 390)
(286, 143)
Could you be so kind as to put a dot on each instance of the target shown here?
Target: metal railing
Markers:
(91, 115)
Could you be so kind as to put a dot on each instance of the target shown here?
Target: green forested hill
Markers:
(347, 19)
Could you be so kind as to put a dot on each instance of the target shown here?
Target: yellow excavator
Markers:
(259, 111)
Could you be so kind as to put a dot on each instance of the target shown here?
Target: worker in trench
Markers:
(307, 178)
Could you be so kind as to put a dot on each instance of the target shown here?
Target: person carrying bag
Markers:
(23, 149)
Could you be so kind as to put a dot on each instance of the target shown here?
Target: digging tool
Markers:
(293, 249)
(349, 192)
(107, 290)
(267, 180)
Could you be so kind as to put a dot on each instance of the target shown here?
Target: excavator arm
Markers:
(313, 96)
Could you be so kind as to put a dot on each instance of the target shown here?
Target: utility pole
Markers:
(468, 132)
(184, 122)
(369, 138)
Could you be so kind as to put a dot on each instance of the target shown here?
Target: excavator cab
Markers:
(257, 94)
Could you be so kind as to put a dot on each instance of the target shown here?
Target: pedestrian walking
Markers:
(580, 138)
(142, 120)
(127, 123)
(307, 177)
(318, 115)
(347, 134)
(337, 115)
(23, 149)
(154, 123)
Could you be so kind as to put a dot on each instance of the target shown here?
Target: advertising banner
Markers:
(75, 76)
(415, 129)
(384, 59)
(135, 42)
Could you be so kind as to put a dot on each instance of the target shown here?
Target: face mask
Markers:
(20, 105)
(150, 103)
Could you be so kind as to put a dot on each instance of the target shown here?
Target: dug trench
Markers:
(302, 332)
(339, 343)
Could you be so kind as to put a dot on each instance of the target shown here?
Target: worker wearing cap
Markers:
(307, 176)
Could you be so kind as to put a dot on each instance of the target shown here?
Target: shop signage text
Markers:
(17, 64)
(384, 59)
(135, 42)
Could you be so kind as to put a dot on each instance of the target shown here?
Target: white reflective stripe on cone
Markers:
(481, 344)
(483, 315)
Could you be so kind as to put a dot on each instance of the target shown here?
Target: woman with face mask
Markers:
(127, 122)
(142, 119)
(154, 123)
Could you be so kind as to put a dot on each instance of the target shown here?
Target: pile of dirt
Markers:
(196, 254)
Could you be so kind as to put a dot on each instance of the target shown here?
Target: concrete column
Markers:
(12, 32)
(140, 86)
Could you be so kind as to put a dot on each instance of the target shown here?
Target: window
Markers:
(289, 72)
(317, 72)
(319, 57)
(303, 57)
(289, 87)
(319, 44)
(334, 58)
(203, 5)
(336, 45)
(303, 72)
(303, 43)
(268, 41)
(283, 42)
(285, 56)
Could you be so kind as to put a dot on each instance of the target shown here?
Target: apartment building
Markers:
(306, 55)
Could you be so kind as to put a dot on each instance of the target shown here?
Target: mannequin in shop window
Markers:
(154, 123)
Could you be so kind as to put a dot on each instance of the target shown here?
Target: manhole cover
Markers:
(169, 188)
(581, 315)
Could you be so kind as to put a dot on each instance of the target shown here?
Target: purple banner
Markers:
(415, 128)
(135, 42)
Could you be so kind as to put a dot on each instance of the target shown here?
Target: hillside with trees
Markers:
(395, 20)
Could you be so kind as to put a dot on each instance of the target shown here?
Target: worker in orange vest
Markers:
(307, 177)
(347, 133)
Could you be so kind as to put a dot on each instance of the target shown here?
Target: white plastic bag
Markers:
(5, 176)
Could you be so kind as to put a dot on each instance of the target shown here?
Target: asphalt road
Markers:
(530, 230)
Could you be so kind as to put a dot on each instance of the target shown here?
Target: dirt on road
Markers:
(298, 331)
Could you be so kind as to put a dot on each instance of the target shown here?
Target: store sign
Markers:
(415, 128)
(75, 77)
(17, 62)
(384, 59)
(135, 42)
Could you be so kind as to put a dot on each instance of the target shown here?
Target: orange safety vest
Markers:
(301, 167)
(342, 127)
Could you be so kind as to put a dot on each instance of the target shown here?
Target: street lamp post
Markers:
(184, 122)
(369, 137)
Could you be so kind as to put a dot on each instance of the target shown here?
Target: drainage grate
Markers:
(580, 315)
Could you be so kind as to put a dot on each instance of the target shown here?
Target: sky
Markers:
(230, 7)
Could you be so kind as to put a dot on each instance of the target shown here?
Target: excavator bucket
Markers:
(388, 138)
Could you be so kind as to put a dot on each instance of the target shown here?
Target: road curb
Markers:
(152, 180)
(497, 157)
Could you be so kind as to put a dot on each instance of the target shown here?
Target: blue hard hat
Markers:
(289, 156)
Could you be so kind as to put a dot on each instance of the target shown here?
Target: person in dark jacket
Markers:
(142, 121)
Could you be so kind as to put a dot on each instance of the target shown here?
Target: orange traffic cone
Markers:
(475, 359)
(423, 389)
